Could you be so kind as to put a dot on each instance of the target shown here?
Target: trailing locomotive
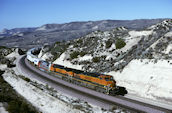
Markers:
(96, 81)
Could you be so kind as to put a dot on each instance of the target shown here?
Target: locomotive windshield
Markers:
(111, 78)
(108, 78)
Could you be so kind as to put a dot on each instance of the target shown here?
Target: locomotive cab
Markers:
(110, 85)
(108, 80)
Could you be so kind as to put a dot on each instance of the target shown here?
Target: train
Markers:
(96, 81)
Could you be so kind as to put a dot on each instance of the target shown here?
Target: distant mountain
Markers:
(50, 33)
(101, 25)
(6, 32)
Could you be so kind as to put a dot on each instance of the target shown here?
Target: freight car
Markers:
(96, 81)
(44, 65)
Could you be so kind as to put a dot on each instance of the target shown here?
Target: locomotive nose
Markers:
(112, 83)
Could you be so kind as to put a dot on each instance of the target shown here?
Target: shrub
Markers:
(75, 45)
(58, 49)
(79, 41)
(24, 78)
(57, 42)
(78, 107)
(82, 53)
(27, 79)
(1, 72)
(56, 55)
(74, 54)
(13, 107)
(108, 44)
(103, 57)
(96, 59)
(21, 52)
(3, 47)
(120, 43)
(16, 104)
(9, 65)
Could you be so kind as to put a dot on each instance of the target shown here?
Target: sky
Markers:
(34, 13)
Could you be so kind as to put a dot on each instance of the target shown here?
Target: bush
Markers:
(74, 54)
(103, 57)
(27, 79)
(58, 49)
(120, 43)
(21, 52)
(79, 41)
(56, 55)
(1, 72)
(3, 47)
(16, 104)
(108, 44)
(57, 42)
(96, 59)
(77, 107)
(82, 53)
(75, 45)
(9, 65)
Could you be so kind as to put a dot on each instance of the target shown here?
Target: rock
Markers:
(3, 61)
(10, 65)
(21, 52)
(1, 72)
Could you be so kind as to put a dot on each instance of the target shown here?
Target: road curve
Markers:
(88, 95)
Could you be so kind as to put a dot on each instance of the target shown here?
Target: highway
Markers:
(91, 96)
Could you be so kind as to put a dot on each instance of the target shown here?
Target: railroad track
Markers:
(90, 95)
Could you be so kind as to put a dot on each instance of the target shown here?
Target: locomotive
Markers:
(96, 81)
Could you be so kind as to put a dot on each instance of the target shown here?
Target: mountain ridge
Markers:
(102, 46)
(50, 33)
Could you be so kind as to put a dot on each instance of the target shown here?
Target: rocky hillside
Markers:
(104, 51)
(50, 33)
(6, 56)
(140, 60)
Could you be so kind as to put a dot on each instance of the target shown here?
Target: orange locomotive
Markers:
(99, 82)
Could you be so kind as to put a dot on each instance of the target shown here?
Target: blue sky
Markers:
(34, 13)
